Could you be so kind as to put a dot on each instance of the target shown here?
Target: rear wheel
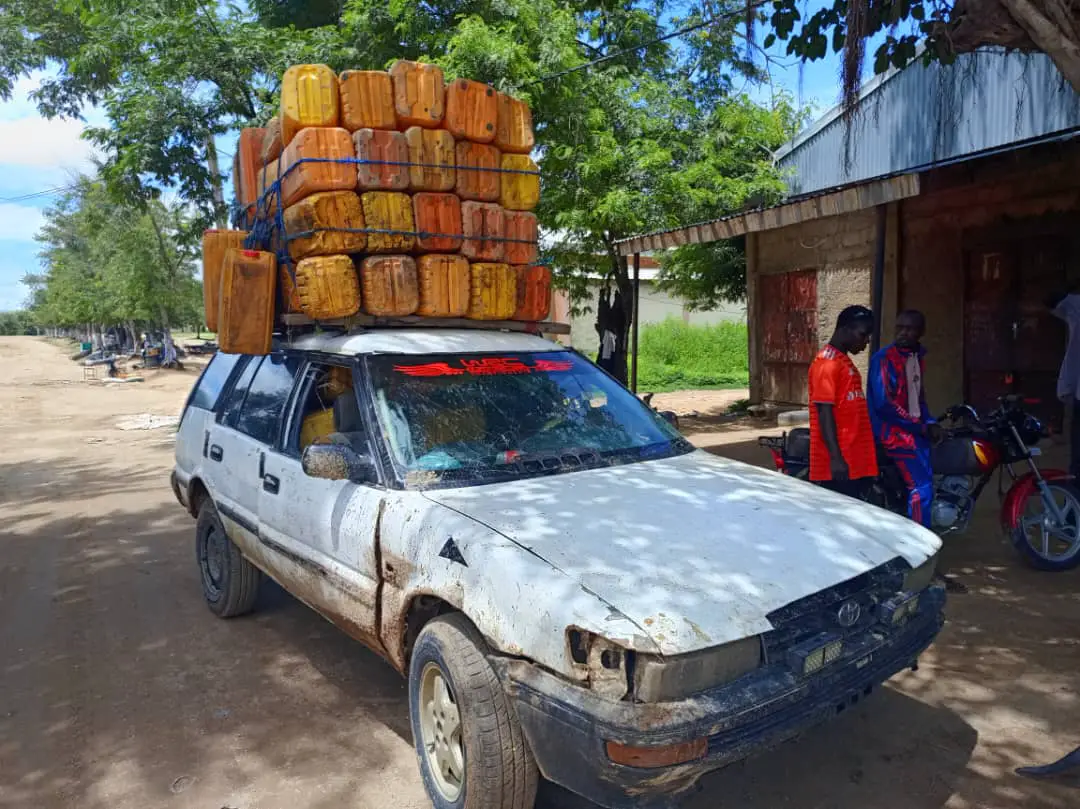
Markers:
(1043, 542)
(469, 743)
(230, 582)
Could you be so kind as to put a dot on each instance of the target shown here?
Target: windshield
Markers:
(477, 418)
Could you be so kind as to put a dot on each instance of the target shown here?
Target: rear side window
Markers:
(213, 380)
(230, 406)
(266, 398)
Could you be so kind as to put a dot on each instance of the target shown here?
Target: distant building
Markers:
(960, 196)
(656, 307)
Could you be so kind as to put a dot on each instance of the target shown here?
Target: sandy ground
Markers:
(119, 689)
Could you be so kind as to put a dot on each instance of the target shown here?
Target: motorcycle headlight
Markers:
(918, 579)
(664, 679)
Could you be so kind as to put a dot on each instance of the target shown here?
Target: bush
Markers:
(676, 356)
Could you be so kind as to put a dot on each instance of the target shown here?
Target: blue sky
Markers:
(38, 154)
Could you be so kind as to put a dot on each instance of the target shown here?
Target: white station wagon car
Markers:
(571, 588)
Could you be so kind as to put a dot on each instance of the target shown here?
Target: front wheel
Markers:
(1044, 543)
(472, 752)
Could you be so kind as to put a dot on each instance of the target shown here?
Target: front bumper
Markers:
(568, 726)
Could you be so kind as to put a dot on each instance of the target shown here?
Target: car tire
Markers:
(230, 582)
(497, 769)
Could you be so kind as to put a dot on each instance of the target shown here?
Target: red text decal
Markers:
(486, 366)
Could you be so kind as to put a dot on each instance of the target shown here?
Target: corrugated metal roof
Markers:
(914, 118)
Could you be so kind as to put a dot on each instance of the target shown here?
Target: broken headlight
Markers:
(665, 679)
(919, 578)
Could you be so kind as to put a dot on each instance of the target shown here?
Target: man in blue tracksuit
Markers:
(903, 426)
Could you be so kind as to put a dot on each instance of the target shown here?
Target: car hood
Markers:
(696, 550)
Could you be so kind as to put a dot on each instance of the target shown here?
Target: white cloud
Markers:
(19, 222)
(34, 141)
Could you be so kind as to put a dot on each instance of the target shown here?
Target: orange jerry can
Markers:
(431, 155)
(272, 147)
(522, 234)
(267, 201)
(493, 291)
(483, 227)
(246, 313)
(519, 183)
(471, 111)
(388, 152)
(477, 171)
(246, 169)
(367, 100)
(299, 180)
(419, 93)
(533, 293)
(444, 285)
(514, 129)
(290, 299)
(438, 222)
(389, 211)
(390, 286)
(326, 217)
(214, 245)
(309, 97)
(327, 287)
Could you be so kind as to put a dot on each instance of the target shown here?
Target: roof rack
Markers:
(415, 321)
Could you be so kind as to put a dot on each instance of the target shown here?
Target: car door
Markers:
(331, 523)
(193, 434)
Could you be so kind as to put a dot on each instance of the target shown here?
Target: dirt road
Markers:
(119, 689)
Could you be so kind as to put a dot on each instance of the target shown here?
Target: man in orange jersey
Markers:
(842, 452)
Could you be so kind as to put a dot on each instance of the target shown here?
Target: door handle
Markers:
(205, 442)
(215, 453)
(271, 484)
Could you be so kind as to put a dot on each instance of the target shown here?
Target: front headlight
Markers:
(664, 679)
(918, 579)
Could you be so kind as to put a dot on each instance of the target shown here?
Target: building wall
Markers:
(656, 307)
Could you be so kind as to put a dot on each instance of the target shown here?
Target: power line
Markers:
(36, 194)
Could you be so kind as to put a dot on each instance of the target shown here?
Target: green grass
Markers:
(675, 356)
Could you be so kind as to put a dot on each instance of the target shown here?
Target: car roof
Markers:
(422, 341)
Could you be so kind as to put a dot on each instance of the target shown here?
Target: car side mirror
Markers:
(337, 462)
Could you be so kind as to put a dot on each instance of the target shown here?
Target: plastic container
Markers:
(316, 426)
(437, 214)
(477, 171)
(472, 109)
(246, 170)
(367, 100)
(246, 314)
(333, 210)
(419, 94)
(522, 227)
(290, 299)
(444, 285)
(309, 97)
(389, 211)
(389, 152)
(267, 202)
(514, 129)
(390, 286)
(519, 191)
(533, 293)
(303, 179)
(493, 291)
(215, 243)
(432, 153)
(272, 147)
(327, 287)
(483, 227)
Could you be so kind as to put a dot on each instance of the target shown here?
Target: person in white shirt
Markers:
(1067, 307)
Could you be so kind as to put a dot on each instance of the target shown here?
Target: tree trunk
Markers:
(1051, 26)
(220, 215)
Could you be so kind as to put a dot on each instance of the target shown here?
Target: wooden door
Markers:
(787, 306)
(1012, 344)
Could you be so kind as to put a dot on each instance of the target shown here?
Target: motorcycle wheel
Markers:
(1040, 546)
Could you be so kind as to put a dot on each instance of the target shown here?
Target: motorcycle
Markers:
(1040, 511)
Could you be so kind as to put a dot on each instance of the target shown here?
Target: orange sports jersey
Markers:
(835, 380)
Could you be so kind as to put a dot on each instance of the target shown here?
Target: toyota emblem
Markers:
(848, 614)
